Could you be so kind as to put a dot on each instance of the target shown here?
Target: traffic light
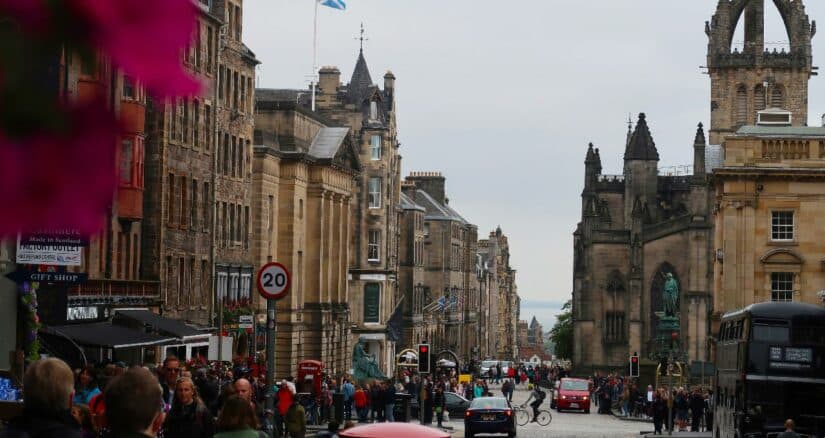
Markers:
(424, 358)
(634, 366)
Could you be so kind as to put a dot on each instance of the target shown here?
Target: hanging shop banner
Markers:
(51, 247)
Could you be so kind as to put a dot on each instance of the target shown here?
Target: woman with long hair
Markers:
(238, 420)
(86, 386)
(189, 416)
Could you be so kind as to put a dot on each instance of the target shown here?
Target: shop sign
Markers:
(51, 247)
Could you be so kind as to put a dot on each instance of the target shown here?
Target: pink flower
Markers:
(60, 179)
(145, 38)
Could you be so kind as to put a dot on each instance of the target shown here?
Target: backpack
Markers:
(541, 394)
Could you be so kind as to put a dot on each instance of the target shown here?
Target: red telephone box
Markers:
(310, 376)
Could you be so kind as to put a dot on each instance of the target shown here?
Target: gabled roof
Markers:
(327, 142)
(361, 80)
(436, 210)
(641, 145)
(408, 204)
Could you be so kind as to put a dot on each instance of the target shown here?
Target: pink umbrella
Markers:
(394, 430)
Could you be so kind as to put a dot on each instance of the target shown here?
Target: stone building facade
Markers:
(770, 196)
(178, 229)
(744, 82)
(411, 272)
(636, 228)
(449, 248)
(304, 188)
(234, 262)
(499, 300)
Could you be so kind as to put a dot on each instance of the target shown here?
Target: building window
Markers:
(374, 246)
(206, 205)
(183, 202)
(196, 120)
(126, 155)
(207, 126)
(426, 230)
(373, 110)
(375, 147)
(614, 326)
(782, 286)
(375, 192)
(234, 288)
(222, 286)
(372, 303)
(777, 96)
(193, 207)
(210, 35)
(170, 199)
(205, 286)
(246, 287)
(782, 226)
(741, 105)
(759, 97)
(128, 87)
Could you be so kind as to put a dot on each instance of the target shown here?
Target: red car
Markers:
(573, 394)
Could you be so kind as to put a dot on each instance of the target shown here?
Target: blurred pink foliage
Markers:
(68, 179)
(60, 179)
(145, 38)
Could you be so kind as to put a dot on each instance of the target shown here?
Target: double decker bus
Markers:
(770, 365)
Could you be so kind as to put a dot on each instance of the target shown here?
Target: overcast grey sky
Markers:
(503, 97)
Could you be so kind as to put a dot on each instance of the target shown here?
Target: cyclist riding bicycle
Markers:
(539, 396)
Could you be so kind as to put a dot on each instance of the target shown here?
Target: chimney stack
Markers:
(431, 182)
(329, 80)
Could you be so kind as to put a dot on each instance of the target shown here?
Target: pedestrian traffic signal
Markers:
(424, 358)
(634, 366)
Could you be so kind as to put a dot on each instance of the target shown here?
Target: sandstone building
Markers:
(770, 192)
(636, 228)
(448, 291)
(304, 189)
(500, 303)
(179, 169)
(234, 262)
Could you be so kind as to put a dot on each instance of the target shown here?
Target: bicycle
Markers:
(523, 415)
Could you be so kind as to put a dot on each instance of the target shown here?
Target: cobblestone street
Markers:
(566, 424)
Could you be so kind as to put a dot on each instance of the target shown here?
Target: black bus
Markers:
(770, 364)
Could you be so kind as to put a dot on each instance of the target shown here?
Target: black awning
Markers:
(161, 324)
(107, 335)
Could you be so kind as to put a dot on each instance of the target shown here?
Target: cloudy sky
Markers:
(503, 97)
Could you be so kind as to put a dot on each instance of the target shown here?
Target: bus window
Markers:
(809, 335)
(771, 333)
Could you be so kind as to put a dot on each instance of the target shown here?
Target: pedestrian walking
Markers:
(238, 420)
(361, 405)
(389, 401)
(659, 411)
(348, 390)
(48, 387)
(697, 410)
(189, 416)
(133, 404)
(439, 404)
(296, 420)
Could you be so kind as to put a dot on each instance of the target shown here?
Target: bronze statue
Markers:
(364, 365)
(670, 296)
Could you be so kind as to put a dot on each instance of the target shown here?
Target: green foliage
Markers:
(562, 332)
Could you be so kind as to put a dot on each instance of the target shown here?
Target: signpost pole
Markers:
(270, 353)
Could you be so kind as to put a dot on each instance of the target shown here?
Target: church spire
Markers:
(641, 145)
(361, 80)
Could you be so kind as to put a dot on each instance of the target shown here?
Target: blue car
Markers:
(489, 415)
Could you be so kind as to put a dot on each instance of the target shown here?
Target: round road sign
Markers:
(273, 281)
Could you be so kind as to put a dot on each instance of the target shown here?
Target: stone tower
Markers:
(747, 81)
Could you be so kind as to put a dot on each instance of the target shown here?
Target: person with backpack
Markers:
(538, 396)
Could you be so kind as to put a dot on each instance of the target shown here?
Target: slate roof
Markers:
(436, 210)
(641, 145)
(408, 204)
(361, 81)
(327, 142)
(781, 131)
(277, 95)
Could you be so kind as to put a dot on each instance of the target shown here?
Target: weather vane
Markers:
(362, 38)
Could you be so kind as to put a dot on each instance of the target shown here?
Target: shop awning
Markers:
(162, 325)
(107, 335)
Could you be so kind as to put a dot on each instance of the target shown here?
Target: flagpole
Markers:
(314, 53)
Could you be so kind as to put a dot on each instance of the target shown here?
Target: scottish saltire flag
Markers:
(335, 4)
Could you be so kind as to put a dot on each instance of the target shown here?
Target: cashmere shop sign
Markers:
(51, 247)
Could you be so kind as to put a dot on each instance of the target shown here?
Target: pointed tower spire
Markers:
(699, 145)
(641, 145)
(361, 80)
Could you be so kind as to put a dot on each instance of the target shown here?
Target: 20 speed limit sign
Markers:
(273, 281)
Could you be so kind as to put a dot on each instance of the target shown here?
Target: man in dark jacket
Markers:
(697, 409)
(48, 392)
(389, 401)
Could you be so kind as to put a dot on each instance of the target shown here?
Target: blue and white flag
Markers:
(335, 4)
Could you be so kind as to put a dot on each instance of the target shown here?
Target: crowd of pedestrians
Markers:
(170, 401)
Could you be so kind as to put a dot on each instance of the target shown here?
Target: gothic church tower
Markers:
(745, 82)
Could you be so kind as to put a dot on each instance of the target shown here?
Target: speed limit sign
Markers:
(273, 281)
